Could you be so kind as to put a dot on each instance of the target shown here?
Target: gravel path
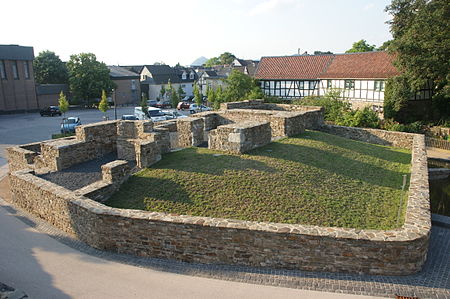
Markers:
(79, 175)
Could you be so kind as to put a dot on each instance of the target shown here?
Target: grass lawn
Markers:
(314, 178)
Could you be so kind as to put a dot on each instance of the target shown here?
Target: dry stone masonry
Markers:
(237, 128)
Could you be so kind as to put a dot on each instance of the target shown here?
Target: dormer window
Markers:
(144, 77)
(183, 76)
(191, 76)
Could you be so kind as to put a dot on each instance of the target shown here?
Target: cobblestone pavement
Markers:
(7, 292)
(432, 282)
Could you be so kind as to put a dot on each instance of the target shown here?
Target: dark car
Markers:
(164, 105)
(152, 103)
(129, 117)
(50, 111)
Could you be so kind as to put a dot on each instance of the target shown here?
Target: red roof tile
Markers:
(367, 65)
(292, 67)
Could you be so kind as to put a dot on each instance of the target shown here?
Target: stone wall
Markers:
(389, 138)
(210, 240)
(190, 131)
(240, 137)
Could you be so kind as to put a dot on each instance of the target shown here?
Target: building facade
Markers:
(17, 85)
(128, 90)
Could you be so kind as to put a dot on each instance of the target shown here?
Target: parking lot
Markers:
(31, 127)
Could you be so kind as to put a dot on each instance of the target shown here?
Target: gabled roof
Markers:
(365, 65)
(117, 72)
(16, 52)
(133, 68)
(293, 67)
(161, 74)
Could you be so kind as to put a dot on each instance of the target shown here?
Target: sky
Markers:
(137, 32)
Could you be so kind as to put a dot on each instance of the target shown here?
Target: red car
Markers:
(164, 105)
(183, 105)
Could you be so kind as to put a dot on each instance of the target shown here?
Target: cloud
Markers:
(267, 6)
(368, 6)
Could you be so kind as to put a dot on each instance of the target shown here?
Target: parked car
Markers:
(163, 105)
(50, 111)
(129, 117)
(152, 103)
(68, 124)
(155, 114)
(194, 108)
(183, 105)
(172, 114)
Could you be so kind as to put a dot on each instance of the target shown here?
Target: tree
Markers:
(421, 39)
(361, 46)
(197, 95)
(162, 91)
(169, 90)
(88, 77)
(224, 58)
(181, 92)
(103, 105)
(255, 93)
(144, 105)
(322, 52)
(49, 69)
(174, 98)
(218, 97)
(239, 85)
(63, 103)
(385, 46)
(211, 95)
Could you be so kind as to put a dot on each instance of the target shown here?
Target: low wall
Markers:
(240, 137)
(211, 240)
(389, 138)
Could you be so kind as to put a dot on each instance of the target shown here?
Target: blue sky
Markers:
(171, 31)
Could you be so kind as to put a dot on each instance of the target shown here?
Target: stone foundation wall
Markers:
(190, 131)
(240, 137)
(389, 138)
(211, 240)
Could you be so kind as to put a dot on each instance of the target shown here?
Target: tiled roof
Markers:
(367, 65)
(292, 67)
(117, 72)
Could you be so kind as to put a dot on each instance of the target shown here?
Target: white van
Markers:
(155, 114)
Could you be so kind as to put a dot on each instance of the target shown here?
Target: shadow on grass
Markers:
(375, 150)
(213, 163)
(136, 189)
(333, 163)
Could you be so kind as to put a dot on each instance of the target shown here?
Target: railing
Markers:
(437, 143)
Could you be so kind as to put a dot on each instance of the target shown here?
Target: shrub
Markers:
(366, 118)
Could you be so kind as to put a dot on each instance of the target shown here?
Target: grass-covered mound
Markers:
(314, 178)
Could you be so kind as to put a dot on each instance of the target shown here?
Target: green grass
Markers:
(314, 178)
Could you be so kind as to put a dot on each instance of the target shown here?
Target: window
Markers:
(2, 70)
(26, 70)
(312, 85)
(329, 83)
(378, 85)
(133, 85)
(349, 84)
(15, 71)
(183, 76)
(191, 76)
(144, 77)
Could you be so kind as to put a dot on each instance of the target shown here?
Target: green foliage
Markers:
(162, 91)
(219, 97)
(63, 103)
(224, 58)
(144, 105)
(421, 32)
(239, 86)
(49, 69)
(181, 92)
(62, 135)
(385, 46)
(361, 46)
(197, 95)
(174, 97)
(255, 94)
(313, 178)
(103, 105)
(365, 118)
(396, 95)
(392, 125)
(88, 77)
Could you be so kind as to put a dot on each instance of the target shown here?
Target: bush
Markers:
(391, 125)
(366, 118)
(334, 109)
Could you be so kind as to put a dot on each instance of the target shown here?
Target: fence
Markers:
(437, 143)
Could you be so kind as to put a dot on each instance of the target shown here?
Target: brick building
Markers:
(17, 86)
(128, 91)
